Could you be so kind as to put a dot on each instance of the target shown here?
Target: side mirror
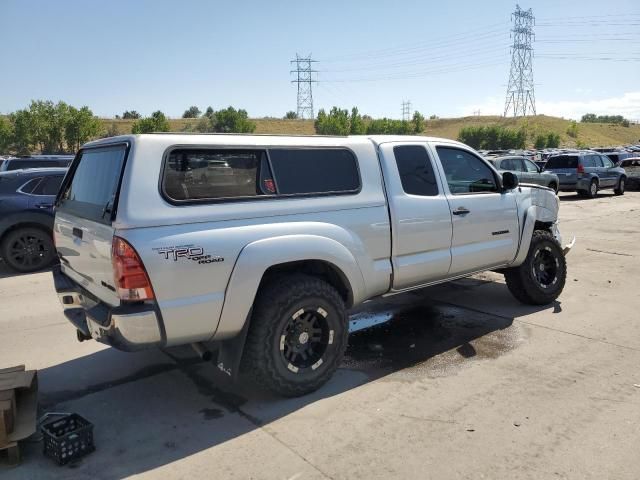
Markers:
(509, 181)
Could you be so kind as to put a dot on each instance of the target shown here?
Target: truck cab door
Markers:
(485, 219)
(420, 215)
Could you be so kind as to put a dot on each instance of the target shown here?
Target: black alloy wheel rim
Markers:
(305, 339)
(28, 251)
(545, 267)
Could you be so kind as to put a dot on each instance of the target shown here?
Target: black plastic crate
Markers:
(67, 439)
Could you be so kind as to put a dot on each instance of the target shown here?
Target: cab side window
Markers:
(606, 161)
(465, 172)
(530, 166)
(416, 171)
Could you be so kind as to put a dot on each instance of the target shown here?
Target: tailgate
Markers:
(565, 175)
(85, 210)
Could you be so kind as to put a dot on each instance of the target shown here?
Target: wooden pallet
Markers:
(12, 454)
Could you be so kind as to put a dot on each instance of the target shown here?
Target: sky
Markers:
(447, 58)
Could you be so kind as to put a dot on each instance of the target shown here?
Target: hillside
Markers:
(590, 134)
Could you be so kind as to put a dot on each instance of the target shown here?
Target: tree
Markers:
(572, 130)
(357, 126)
(130, 115)
(6, 135)
(23, 137)
(191, 112)
(209, 112)
(540, 141)
(418, 123)
(112, 130)
(291, 115)
(228, 120)
(493, 137)
(231, 120)
(80, 127)
(157, 122)
(335, 123)
(553, 140)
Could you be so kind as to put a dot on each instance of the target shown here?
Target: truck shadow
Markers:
(152, 408)
(6, 272)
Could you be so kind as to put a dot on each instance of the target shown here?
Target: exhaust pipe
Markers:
(203, 352)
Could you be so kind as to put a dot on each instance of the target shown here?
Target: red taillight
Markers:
(132, 281)
(580, 168)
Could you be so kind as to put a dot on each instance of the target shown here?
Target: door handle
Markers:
(461, 211)
(44, 205)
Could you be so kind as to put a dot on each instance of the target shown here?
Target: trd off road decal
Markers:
(190, 252)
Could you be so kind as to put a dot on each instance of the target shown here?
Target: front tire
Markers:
(621, 185)
(27, 250)
(541, 278)
(297, 337)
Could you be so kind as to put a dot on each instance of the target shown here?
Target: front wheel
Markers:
(297, 337)
(620, 189)
(541, 278)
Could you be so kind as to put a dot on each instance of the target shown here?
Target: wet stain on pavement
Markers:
(211, 413)
(426, 338)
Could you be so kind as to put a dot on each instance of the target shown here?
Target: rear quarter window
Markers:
(562, 161)
(212, 174)
(314, 170)
(201, 174)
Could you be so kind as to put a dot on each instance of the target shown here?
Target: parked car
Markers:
(632, 168)
(26, 217)
(527, 171)
(268, 270)
(586, 173)
(36, 161)
(617, 157)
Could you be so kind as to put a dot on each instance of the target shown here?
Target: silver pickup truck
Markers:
(253, 248)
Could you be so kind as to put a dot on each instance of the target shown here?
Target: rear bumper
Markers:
(126, 327)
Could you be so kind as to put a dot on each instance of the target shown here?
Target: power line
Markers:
(520, 93)
(304, 80)
(468, 36)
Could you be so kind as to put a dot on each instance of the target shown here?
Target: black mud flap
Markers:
(230, 352)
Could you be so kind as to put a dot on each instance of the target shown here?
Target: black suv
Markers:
(26, 217)
(35, 161)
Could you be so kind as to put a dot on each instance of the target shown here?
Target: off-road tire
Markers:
(522, 281)
(39, 250)
(593, 189)
(619, 190)
(275, 308)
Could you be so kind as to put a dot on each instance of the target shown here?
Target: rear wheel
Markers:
(619, 190)
(27, 249)
(593, 189)
(541, 278)
(297, 337)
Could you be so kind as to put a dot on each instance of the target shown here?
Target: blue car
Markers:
(26, 217)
